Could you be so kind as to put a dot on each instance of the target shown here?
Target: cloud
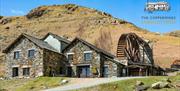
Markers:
(17, 12)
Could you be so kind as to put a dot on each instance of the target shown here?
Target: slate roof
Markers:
(36, 41)
(91, 46)
(57, 37)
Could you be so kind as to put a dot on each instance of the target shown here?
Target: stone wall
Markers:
(54, 63)
(35, 64)
(96, 64)
(78, 58)
(112, 67)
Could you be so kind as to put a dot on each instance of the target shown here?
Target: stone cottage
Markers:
(31, 57)
(86, 60)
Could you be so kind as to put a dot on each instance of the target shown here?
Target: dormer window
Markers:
(16, 54)
(31, 53)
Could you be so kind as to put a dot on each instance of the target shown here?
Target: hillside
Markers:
(98, 28)
(174, 33)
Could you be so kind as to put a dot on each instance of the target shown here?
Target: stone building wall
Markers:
(35, 64)
(55, 64)
(112, 67)
(97, 63)
(78, 58)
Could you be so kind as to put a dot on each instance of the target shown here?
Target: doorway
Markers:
(105, 71)
(83, 71)
(69, 71)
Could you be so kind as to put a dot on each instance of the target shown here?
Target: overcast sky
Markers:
(129, 10)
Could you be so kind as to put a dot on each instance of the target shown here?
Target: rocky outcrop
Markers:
(174, 33)
(139, 83)
(5, 21)
(159, 85)
(140, 86)
(64, 82)
(38, 12)
(167, 83)
(71, 7)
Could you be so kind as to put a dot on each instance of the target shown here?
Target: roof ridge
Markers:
(57, 37)
(46, 46)
(38, 42)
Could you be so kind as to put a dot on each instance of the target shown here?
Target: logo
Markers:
(157, 6)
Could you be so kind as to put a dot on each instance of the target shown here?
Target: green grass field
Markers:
(35, 84)
(128, 85)
(40, 83)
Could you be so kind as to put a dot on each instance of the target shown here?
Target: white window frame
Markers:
(19, 54)
(87, 52)
(28, 52)
(70, 53)
(24, 74)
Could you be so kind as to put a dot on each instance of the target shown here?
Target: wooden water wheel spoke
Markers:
(134, 48)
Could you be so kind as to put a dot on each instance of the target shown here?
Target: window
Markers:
(16, 55)
(31, 53)
(26, 72)
(14, 71)
(87, 56)
(70, 57)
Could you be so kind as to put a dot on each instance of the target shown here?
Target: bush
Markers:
(1, 17)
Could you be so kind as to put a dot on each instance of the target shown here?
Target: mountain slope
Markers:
(98, 28)
(174, 33)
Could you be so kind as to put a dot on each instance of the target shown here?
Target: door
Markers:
(15, 72)
(83, 71)
(69, 72)
(105, 71)
(51, 72)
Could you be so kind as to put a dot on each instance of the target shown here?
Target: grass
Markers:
(178, 74)
(40, 83)
(11, 85)
(35, 84)
(128, 85)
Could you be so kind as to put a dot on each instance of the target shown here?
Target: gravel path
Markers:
(77, 83)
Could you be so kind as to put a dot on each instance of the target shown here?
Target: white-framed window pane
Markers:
(16, 55)
(31, 53)
(26, 71)
(70, 57)
(87, 56)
